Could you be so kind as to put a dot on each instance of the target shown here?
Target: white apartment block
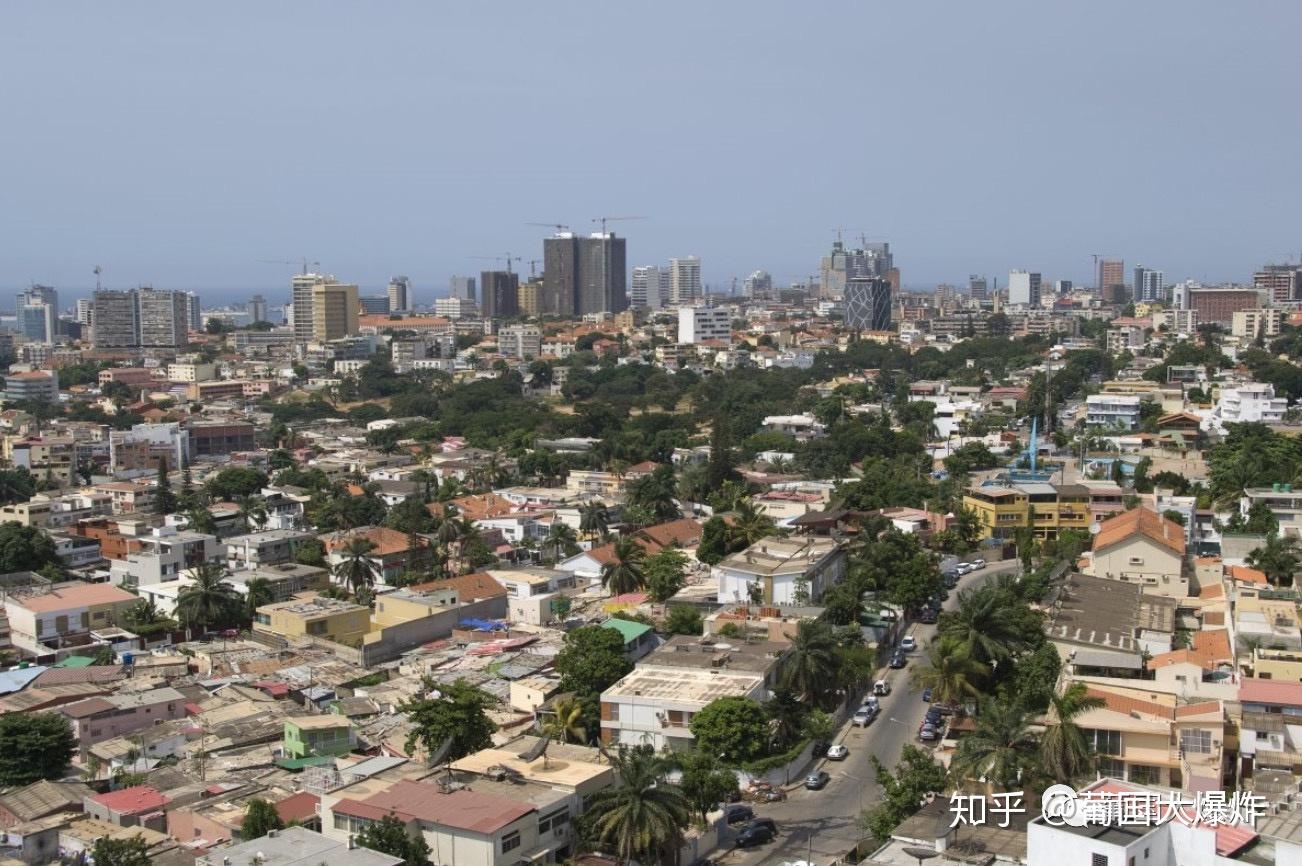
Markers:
(1251, 324)
(684, 280)
(1255, 401)
(520, 341)
(1112, 411)
(703, 324)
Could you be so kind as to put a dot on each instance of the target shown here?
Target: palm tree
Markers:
(209, 601)
(786, 714)
(259, 592)
(750, 524)
(427, 481)
(201, 520)
(1063, 748)
(356, 570)
(811, 663)
(950, 672)
(1000, 747)
(252, 513)
(624, 573)
(593, 519)
(566, 722)
(1278, 559)
(643, 816)
(984, 624)
(560, 538)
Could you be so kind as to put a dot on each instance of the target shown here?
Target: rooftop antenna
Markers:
(98, 271)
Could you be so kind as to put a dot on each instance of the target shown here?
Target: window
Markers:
(317, 627)
(511, 841)
(1196, 741)
(555, 821)
(1263, 735)
(1143, 774)
(1103, 742)
(1098, 860)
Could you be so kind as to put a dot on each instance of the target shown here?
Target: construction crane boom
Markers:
(560, 227)
(612, 219)
(508, 258)
(302, 261)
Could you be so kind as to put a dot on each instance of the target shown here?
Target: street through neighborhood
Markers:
(820, 826)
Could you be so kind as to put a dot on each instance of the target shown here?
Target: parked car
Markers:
(977, 564)
(881, 688)
(909, 644)
(863, 718)
(926, 695)
(963, 568)
(927, 733)
(838, 753)
(871, 703)
(763, 824)
(933, 717)
(928, 616)
(738, 813)
(820, 748)
(752, 836)
(898, 661)
(817, 781)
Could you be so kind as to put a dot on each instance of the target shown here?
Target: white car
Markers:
(977, 564)
(837, 752)
(908, 644)
(881, 688)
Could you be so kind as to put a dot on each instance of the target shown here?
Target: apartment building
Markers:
(1255, 324)
(269, 547)
(310, 615)
(52, 511)
(787, 571)
(164, 556)
(1255, 401)
(1112, 411)
(51, 459)
(1047, 508)
(390, 552)
(520, 341)
(1284, 503)
(285, 580)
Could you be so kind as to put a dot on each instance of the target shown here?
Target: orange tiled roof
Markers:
(1212, 590)
(1210, 648)
(1243, 574)
(387, 541)
(468, 586)
(1141, 521)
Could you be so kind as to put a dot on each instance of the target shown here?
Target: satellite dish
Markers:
(537, 750)
(1096, 528)
(921, 854)
(440, 753)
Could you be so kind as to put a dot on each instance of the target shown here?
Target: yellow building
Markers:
(527, 296)
(312, 615)
(1048, 508)
(396, 608)
(1277, 664)
(334, 310)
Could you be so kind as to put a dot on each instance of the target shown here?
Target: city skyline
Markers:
(970, 160)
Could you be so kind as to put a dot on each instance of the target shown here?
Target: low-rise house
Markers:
(309, 615)
(390, 553)
(1141, 546)
(40, 799)
(296, 846)
(165, 555)
(315, 736)
(1270, 731)
(138, 806)
(102, 718)
(1267, 616)
(45, 619)
(787, 571)
(285, 579)
(639, 638)
(265, 548)
(1104, 626)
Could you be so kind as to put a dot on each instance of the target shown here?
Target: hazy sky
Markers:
(179, 143)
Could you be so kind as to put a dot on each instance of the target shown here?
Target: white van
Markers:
(881, 688)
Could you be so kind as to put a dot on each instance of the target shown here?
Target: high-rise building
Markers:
(684, 280)
(1024, 288)
(258, 309)
(1282, 283)
(842, 265)
(301, 294)
(501, 294)
(115, 319)
(867, 302)
(1149, 284)
(649, 288)
(164, 317)
(584, 275)
(603, 275)
(193, 312)
(335, 307)
(1063, 287)
(1219, 304)
(758, 285)
(374, 305)
(85, 310)
(399, 291)
(1112, 273)
(530, 296)
(38, 314)
(977, 287)
(463, 287)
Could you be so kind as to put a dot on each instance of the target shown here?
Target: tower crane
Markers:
(604, 220)
(533, 267)
(302, 261)
(508, 258)
(560, 227)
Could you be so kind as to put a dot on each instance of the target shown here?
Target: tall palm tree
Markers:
(356, 570)
(786, 714)
(427, 481)
(1063, 748)
(560, 538)
(593, 519)
(566, 722)
(811, 662)
(750, 524)
(252, 511)
(643, 816)
(950, 672)
(624, 573)
(984, 624)
(209, 601)
(259, 592)
(999, 749)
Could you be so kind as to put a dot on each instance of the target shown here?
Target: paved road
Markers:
(820, 826)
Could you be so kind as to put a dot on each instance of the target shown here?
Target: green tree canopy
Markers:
(732, 728)
(34, 746)
(459, 711)
(260, 818)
